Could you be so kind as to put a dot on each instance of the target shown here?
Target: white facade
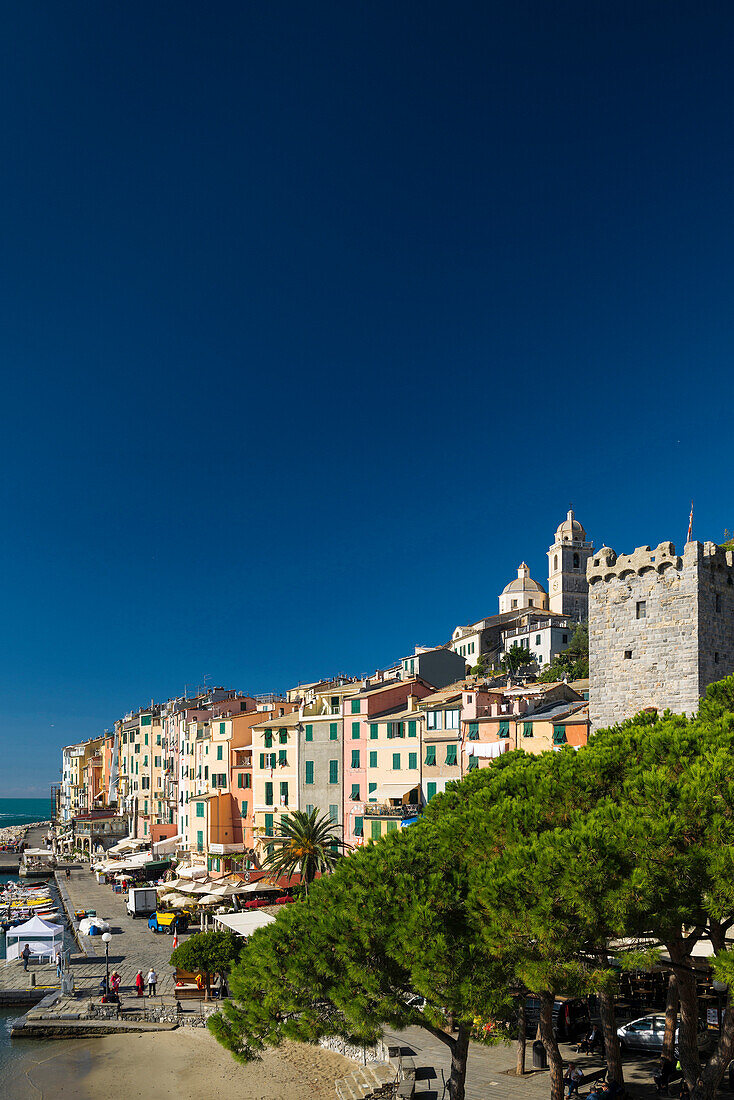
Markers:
(544, 640)
(523, 592)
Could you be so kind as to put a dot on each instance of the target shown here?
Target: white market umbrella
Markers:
(208, 899)
(178, 901)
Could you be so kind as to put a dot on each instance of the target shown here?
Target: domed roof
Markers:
(523, 582)
(570, 530)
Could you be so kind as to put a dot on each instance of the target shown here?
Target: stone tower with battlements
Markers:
(661, 628)
(567, 558)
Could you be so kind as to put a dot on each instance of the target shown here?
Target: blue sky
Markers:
(314, 318)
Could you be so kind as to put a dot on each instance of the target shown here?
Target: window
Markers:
(309, 771)
(243, 810)
(355, 706)
(309, 733)
(473, 734)
(555, 562)
(241, 779)
(376, 830)
(283, 737)
(412, 759)
(430, 755)
(199, 809)
(262, 761)
(514, 604)
(200, 840)
(335, 707)
(433, 720)
(373, 731)
(391, 825)
(222, 728)
(359, 826)
(530, 603)
(412, 729)
(146, 720)
(559, 735)
(395, 729)
(628, 654)
(334, 815)
(527, 729)
(452, 719)
(537, 639)
(248, 780)
(451, 754)
(309, 808)
(219, 751)
(282, 757)
(355, 731)
(716, 658)
(206, 772)
(504, 730)
(284, 793)
(268, 825)
(146, 738)
(332, 731)
(355, 792)
(564, 639)
(371, 788)
(355, 758)
(473, 763)
(268, 794)
(396, 761)
(268, 734)
(430, 791)
(333, 771)
(373, 759)
(576, 561)
(642, 609)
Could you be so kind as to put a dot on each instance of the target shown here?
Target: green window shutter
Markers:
(284, 794)
(146, 720)
(355, 731)
(473, 763)
(396, 761)
(283, 756)
(333, 731)
(219, 751)
(451, 754)
(199, 839)
(334, 817)
(199, 809)
(355, 706)
(146, 738)
(373, 731)
(248, 780)
(391, 825)
(262, 761)
(504, 730)
(283, 737)
(430, 755)
(473, 731)
(355, 758)
(373, 759)
(333, 771)
(268, 794)
(268, 739)
(376, 830)
(243, 810)
(309, 771)
(430, 791)
(527, 729)
(359, 826)
(222, 728)
(559, 735)
(355, 792)
(241, 779)
(412, 729)
(372, 788)
(309, 808)
(309, 733)
(412, 759)
(268, 824)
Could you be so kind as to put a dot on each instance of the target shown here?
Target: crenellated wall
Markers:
(661, 628)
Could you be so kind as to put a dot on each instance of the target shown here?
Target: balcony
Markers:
(387, 809)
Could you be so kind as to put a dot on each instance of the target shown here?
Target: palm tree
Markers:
(305, 843)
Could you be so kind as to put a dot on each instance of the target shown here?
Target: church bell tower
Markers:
(568, 590)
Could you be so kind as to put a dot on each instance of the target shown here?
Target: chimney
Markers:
(411, 702)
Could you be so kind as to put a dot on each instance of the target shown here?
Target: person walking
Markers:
(115, 981)
(59, 964)
(140, 983)
(25, 956)
(152, 979)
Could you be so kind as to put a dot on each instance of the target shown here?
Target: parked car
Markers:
(647, 1033)
(571, 1016)
(168, 922)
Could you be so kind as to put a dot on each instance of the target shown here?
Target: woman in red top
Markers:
(140, 983)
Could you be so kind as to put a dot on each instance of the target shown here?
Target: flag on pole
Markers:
(690, 524)
(175, 940)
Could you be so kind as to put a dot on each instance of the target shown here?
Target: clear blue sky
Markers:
(314, 318)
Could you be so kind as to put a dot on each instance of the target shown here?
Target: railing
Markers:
(386, 809)
(531, 628)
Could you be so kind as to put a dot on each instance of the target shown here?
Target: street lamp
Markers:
(106, 937)
(719, 988)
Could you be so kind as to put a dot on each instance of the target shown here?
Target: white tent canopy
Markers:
(42, 937)
(169, 844)
(128, 844)
(37, 853)
(244, 924)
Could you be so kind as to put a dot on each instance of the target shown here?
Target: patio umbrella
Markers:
(226, 891)
(178, 901)
(208, 899)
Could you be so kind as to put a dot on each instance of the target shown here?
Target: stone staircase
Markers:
(372, 1082)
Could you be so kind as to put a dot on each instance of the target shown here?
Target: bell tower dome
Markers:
(567, 587)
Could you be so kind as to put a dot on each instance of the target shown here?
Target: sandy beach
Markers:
(187, 1064)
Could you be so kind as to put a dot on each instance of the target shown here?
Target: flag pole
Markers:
(690, 525)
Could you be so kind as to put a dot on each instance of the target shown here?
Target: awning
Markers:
(167, 845)
(397, 790)
(244, 924)
(128, 844)
(487, 751)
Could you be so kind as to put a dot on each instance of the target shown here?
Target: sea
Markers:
(24, 811)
